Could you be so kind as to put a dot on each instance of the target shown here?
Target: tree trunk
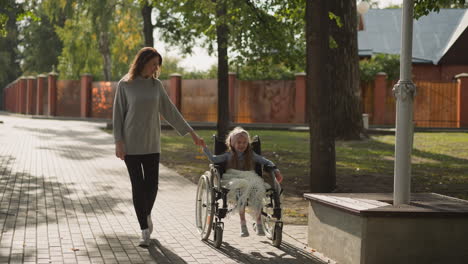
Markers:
(147, 25)
(223, 74)
(319, 97)
(345, 61)
(105, 52)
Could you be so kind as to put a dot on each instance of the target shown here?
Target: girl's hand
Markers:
(278, 176)
(120, 150)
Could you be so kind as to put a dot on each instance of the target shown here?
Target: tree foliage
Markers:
(9, 39)
(255, 31)
(99, 37)
(246, 28)
(40, 43)
(388, 63)
(424, 7)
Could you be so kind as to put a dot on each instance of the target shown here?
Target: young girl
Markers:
(240, 178)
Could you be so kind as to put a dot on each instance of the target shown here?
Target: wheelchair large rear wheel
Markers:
(204, 207)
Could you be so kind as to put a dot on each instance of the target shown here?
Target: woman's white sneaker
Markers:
(145, 238)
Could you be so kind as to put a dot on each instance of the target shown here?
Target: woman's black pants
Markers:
(144, 175)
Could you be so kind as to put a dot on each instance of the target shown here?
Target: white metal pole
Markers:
(404, 92)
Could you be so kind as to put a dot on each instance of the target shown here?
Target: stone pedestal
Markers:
(368, 229)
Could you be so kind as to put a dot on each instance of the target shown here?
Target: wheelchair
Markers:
(211, 201)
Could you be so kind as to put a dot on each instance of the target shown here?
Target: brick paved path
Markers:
(65, 198)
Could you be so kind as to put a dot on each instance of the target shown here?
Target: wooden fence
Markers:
(435, 105)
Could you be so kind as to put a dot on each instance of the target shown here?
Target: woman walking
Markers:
(139, 101)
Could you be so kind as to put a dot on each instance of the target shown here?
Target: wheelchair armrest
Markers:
(276, 184)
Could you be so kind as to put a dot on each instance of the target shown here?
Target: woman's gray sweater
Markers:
(136, 122)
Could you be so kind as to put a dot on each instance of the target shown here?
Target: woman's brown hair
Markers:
(143, 56)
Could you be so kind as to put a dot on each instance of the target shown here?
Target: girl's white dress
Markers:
(245, 188)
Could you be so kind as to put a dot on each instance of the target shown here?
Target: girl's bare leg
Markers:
(242, 215)
(244, 230)
(259, 218)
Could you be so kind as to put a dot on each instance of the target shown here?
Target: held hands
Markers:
(120, 150)
(196, 139)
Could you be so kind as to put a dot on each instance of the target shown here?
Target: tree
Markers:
(183, 22)
(100, 43)
(80, 50)
(222, 35)
(244, 28)
(146, 10)
(344, 58)
(107, 27)
(319, 96)
(40, 44)
(101, 14)
(9, 53)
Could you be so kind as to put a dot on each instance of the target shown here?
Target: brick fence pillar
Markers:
(30, 89)
(175, 87)
(300, 100)
(52, 94)
(40, 94)
(380, 94)
(86, 100)
(14, 99)
(232, 93)
(22, 95)
(462, 100)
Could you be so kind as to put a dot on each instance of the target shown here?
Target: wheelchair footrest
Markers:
(221, 213)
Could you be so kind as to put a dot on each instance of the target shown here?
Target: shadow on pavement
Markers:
(45, 200)
(90, 146)
(289, 254)
(162, 254)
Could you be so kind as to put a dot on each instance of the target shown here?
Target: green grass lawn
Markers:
(439, 161)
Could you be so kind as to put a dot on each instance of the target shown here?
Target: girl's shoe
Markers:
(145, 238)
(150, 224)
(259, 229)
(244, 231)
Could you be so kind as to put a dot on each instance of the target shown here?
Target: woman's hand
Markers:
(196, 139)
(203, 144)
(120, 150)
(278, 176)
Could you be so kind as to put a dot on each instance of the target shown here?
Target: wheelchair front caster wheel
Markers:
(277, 235)
(218, 236)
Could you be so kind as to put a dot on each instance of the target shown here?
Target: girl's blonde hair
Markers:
(143, 56)
(248, 153)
